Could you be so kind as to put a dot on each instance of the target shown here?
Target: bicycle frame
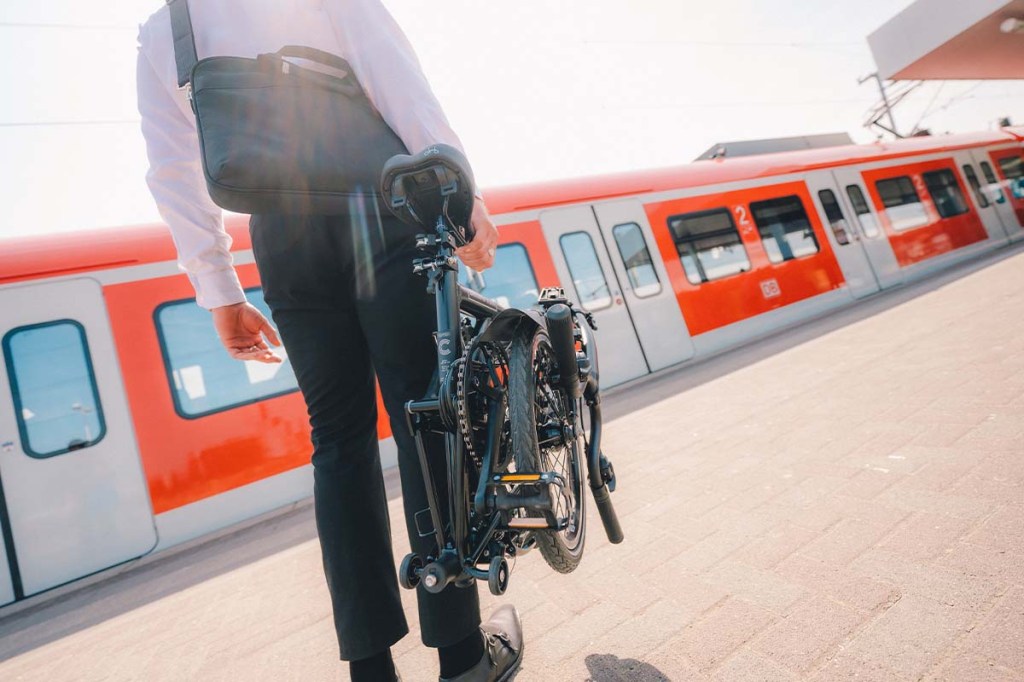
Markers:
(451, 299)
(457, 554)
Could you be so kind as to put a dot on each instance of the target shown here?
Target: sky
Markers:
(536, 89)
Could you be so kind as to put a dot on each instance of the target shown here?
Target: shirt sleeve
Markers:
(387, 67)
(176, 181)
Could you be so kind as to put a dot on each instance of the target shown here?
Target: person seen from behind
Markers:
(350, 312)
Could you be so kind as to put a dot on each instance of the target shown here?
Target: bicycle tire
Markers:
(526, 344)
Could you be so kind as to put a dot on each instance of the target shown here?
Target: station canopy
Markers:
(951, 40)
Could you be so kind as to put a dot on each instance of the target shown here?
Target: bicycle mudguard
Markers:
(503, 325)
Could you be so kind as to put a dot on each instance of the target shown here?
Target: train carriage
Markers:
(125, 429)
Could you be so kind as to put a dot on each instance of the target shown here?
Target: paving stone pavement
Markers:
(839, 502)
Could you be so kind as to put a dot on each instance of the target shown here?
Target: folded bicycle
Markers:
(515, 395)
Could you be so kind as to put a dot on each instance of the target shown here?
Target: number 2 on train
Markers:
(742, 219)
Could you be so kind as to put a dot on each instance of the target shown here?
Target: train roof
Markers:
(535, 196)
(63, 253)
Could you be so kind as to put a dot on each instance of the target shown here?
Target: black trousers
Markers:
(348, 307)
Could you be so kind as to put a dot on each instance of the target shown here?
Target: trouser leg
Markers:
(398, 317)
(308, 279)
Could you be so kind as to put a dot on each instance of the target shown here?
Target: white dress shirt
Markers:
(361, 31)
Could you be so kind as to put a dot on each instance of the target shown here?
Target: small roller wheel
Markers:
(498, 576)
(408, 577)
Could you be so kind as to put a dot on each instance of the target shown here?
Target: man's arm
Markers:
(175, 178)
(388, 69)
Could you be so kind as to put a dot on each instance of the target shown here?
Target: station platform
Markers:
(844, 500)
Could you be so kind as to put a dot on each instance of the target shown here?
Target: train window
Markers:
(56, 401)
(1013, 169)
(835, 216)
(990, 176)
(709, 245)
(1012, 166)
(945, 192)
(902, 205)
(639, 266)
(204, 379)
(786, 231)
(510, 281)
(993, 182)
(585, 269)
(972, 180)
(868, 222)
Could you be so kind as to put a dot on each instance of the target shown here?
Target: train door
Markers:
(990, 218)
(644, 284)
(74, 496)
(847, 242)
(854, 200)
(582, 258)
(993, 192)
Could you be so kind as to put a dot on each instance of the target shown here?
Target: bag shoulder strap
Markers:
(184, 42)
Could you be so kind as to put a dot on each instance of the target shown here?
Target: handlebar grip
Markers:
(609, 518)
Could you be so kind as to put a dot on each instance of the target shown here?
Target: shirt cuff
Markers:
(217, 288)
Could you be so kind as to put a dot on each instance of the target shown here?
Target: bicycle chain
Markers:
(461, 405)
(462, 390)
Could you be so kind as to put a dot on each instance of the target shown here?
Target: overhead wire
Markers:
(720, 43)
(927, 109)
(29, 24)
(28, 124)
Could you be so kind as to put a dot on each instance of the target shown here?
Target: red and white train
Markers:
(125, 428)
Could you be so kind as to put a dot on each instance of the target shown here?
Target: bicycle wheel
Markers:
(539, 412)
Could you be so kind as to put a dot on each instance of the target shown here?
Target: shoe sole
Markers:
(514, 670)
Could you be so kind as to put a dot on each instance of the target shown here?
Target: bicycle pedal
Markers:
(545, 477)
(535, 522)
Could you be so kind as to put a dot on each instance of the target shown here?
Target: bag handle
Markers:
(346, 84)
(184, 42)
(318, 56)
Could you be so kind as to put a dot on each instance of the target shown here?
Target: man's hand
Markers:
(479, 253)
(241, 328)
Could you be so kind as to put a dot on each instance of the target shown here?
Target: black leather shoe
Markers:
(503, 649)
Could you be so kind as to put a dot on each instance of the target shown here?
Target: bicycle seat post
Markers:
(445, 277)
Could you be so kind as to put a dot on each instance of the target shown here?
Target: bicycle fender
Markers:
(503, 325)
